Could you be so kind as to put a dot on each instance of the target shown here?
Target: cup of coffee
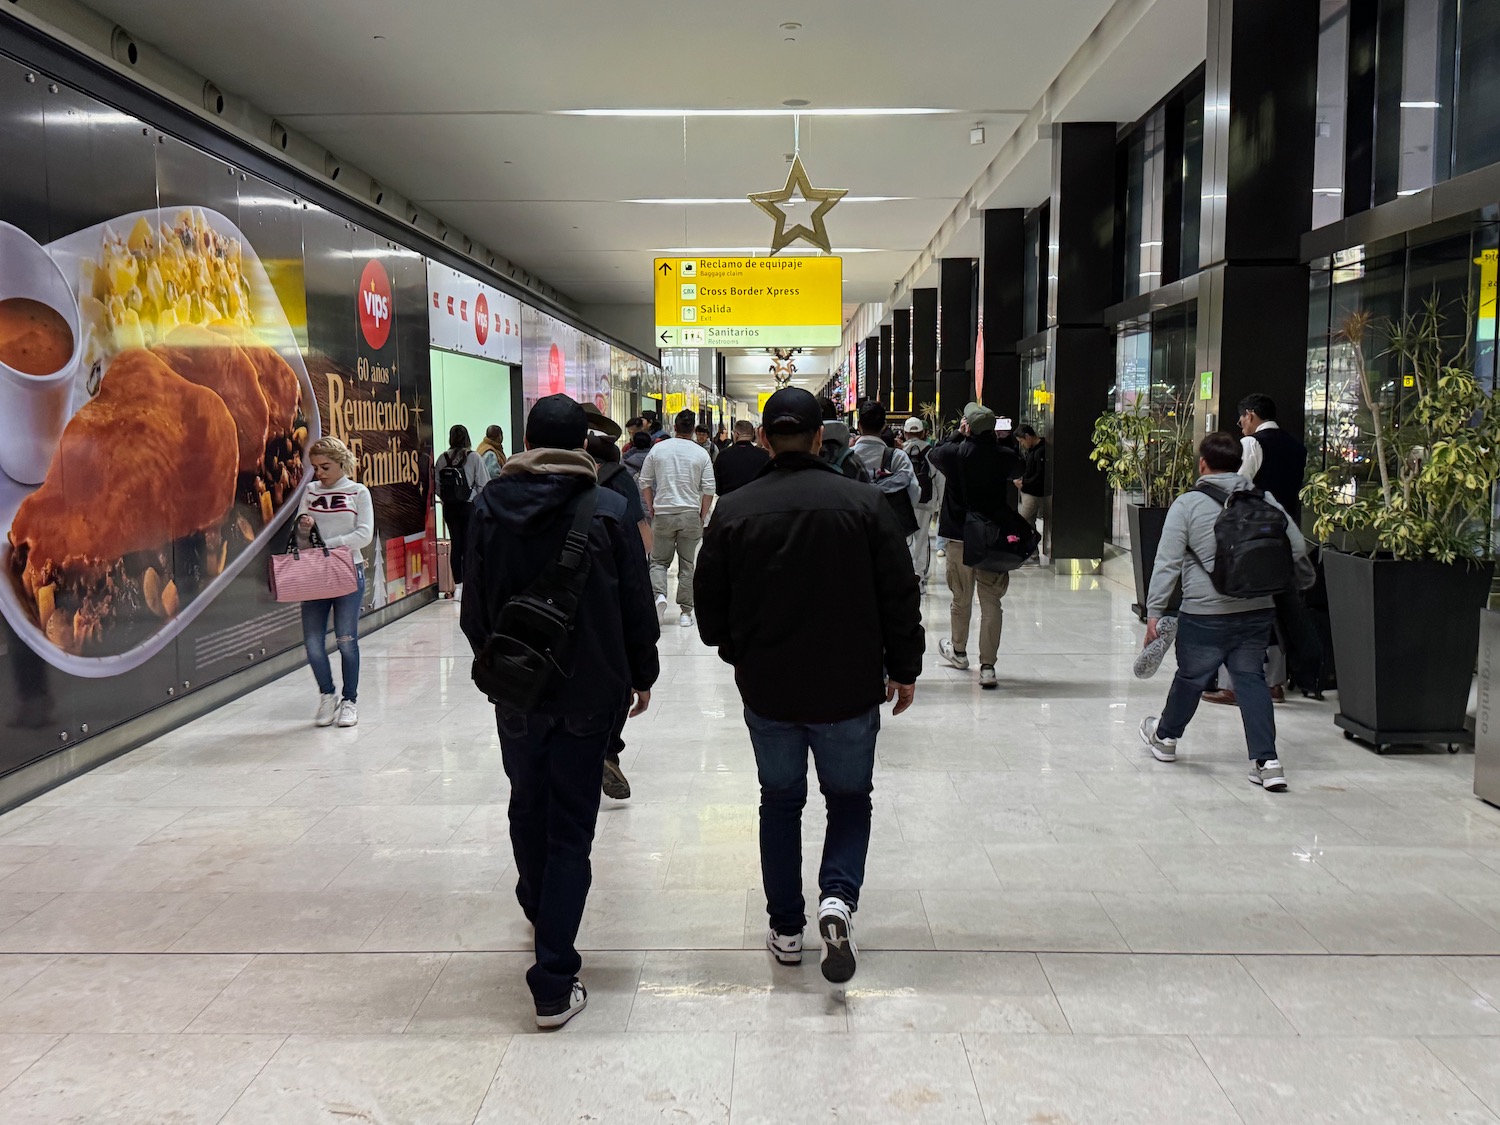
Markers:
(40, 350)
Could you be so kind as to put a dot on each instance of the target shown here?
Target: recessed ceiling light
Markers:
(791, 26)
(379, 38)
(796, 103)
(680, 251)
(901, 111)
(694, 202)
(1421, 105)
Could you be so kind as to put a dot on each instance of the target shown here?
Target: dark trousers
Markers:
(1237, 641)
(616, 738)
(844, 756)
(555, 766)
(1300, 641)
(456, 516)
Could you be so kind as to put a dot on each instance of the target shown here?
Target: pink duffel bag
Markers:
(306, 574)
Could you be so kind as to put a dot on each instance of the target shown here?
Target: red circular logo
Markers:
(481, 319)
(557, 372)
(375, 305)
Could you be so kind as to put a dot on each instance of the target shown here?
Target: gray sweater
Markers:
(1186, 553)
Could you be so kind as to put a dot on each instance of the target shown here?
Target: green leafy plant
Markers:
(1147, 450)
(1425, 489)
(932, 418)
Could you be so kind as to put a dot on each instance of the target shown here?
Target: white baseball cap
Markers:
(914, 426)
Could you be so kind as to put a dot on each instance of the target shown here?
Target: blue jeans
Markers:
(345, 630)
(556, 768)
(1238, 641)
(844, 756)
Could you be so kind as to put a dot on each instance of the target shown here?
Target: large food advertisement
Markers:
(174, 335)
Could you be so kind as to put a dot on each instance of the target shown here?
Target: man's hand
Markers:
(307, 523)
(1017, 483)
(641, 700)
(1151, 630)
(963, 427)
(903, 694)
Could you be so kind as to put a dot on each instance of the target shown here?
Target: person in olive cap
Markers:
(554, 753)
(801, 528)
(978, 470)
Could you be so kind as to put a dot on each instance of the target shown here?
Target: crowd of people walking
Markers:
(569, 559)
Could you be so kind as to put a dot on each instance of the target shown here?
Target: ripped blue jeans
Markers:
(345, 630)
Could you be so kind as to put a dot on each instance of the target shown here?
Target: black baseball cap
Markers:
(557, 422)
(792, 410)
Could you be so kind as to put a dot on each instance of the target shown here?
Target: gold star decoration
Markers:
(797, 182)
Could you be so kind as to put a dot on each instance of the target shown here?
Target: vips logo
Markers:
(375, 304)
(481, 319)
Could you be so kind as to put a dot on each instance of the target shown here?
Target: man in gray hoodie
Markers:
(837, 449)
(1213, 628)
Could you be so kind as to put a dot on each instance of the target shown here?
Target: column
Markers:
(883, 393)
(901, 362)
(1002, 294)
(869, 369)
(924, 346)
(1080, 357)
(955, 335)
(1259, 135)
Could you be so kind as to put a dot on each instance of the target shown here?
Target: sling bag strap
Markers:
(562, 583)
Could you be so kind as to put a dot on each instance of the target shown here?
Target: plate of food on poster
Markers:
(154, 412)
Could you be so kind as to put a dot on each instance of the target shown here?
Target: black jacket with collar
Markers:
(978, 471)
(520, 521)
(738, 465)
(774, 553)
(1034, 479)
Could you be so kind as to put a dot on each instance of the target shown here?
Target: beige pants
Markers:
(677, 534)
(1030, 508)
(963, 581)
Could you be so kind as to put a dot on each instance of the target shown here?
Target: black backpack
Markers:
(1252, 551)
(923, 470)
(900, 502)
(453, 482)
(535, 627)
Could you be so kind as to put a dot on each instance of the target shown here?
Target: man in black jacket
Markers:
(774, 547)
(554, 753)
(741, 462)
(978, 470)
(1032, 485)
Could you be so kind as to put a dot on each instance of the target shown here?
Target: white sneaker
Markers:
(328, 711)
(686, 620)
(786, 948)
(958, 659)
(1162, 749)
(1269, 775)
(348, 714)
(458, 592)
(661, 604)
(987, 676)
(836, 928)
(555, 1015)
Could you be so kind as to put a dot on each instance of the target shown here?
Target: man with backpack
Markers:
(919, 543)
(560, 620)
(836, 448)
(1232, 549)
(888, 467)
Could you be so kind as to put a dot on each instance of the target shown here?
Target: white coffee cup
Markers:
(34, 409)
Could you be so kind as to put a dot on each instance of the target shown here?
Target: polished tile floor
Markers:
(250, 920)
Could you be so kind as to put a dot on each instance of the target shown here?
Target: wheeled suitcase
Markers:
(444, 569)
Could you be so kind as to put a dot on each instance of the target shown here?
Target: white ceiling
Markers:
(457, 108)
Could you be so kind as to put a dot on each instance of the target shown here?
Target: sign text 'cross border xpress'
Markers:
(781, 302)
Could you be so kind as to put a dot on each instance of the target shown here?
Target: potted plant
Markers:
(1147, 451)
(1410, 504)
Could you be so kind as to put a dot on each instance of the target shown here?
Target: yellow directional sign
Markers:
(781, 302)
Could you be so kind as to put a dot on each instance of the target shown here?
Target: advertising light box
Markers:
(467, 316)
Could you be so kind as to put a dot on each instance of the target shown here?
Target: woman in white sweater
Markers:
(342, 512)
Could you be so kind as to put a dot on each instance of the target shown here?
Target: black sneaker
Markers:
(560, 1012)
(616, 787)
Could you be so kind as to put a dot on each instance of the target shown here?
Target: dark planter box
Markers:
(1145, 537)
(1405, 638)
